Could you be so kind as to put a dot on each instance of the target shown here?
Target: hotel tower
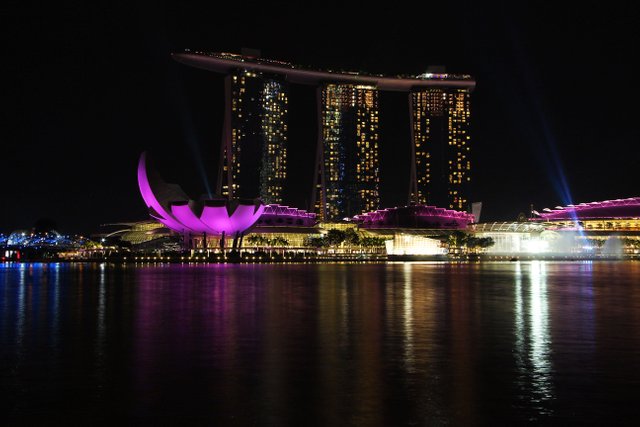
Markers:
(347, 160)
(441, 147)
(254, 150)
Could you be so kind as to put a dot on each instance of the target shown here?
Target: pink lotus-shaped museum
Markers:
(169, 205)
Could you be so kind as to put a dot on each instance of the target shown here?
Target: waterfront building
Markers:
(348, 162)
(414, 217)
(441, 147)
(414, 245)
(196, 219)
(607, 228)
(346, 178)
(515, 238)
(415, 230)
(253, 160)
(137, 233)
(608, 216)
(206, 223)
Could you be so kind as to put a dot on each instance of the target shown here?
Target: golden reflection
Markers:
(332, 324)
(465, 376)
(409, 355)
(368, 345)
(519, 318)
(533, 343)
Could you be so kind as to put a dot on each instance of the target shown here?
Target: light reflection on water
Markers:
(408, 318)
(418, 343)
(539, 333)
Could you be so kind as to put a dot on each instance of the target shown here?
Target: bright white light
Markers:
(408, 316)
(407, 244)
(539, 329)
(536, 246)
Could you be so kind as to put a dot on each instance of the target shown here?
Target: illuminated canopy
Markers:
(415, 216)
(172, 207)
(618, 208)
(278, 215)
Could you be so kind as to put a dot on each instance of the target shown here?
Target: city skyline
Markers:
(257, 213)
(346, 172)
(85, 98)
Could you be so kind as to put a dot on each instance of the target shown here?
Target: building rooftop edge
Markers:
(224, 63)
(569, 211)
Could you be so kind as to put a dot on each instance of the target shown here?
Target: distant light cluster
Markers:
(27, 239)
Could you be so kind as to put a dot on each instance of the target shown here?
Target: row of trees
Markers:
(460, 242)
(631, 243)
(258, 240)
(335, 238)
(626, 242)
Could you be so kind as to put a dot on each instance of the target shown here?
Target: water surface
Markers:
(325, 344)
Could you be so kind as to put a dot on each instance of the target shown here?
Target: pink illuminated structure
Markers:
(415, 216)
(618, 208)
(278, 215)
(169, 205)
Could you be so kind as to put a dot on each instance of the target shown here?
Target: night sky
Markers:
(88, 86)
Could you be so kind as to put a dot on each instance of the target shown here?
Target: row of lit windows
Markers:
(340, 101)
(269, 96)
(453, 106)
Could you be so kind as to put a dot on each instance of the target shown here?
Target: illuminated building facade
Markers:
(346, 178)
(609, 228)
(441, 164)
(608, 216)
(348, 156)
(254, 153)
(414, 217)
(274, 131)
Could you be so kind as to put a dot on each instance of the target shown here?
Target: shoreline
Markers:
(319, 260)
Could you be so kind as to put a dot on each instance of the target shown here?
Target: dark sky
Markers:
(88, 86)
